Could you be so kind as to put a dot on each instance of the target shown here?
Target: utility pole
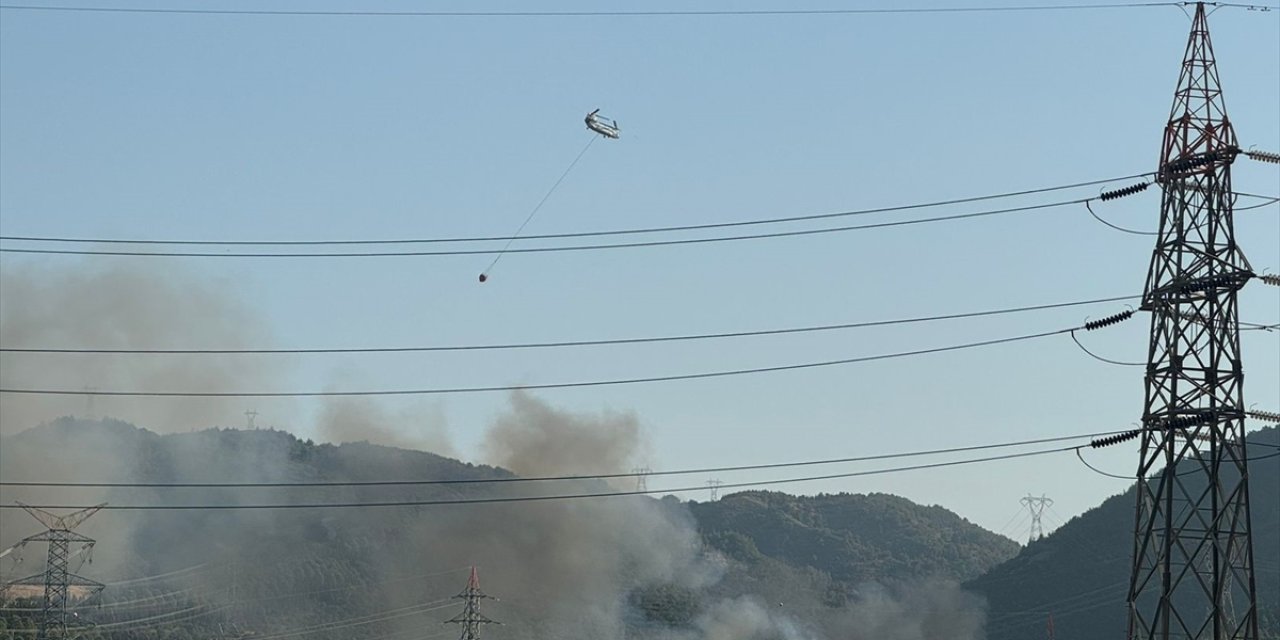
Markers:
(57, 579)
(642, 478)
(471, 618)
(1036, 506)
(1193, 552)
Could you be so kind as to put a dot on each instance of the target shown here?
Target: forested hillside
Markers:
(752, 565)
(852, 537)
(1080, 573)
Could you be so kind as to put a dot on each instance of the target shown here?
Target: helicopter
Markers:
(603, 126)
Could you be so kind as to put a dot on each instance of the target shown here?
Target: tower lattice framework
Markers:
(1036, 506)
(57, 579)
(470, 618)
(1192, 572)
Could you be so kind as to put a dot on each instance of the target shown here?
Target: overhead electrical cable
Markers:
(1080, 455)
(531, 387)
(551, 497)
(574, 343)
(553, 248)
(596, 476)
(382, 616)
(161, 576)
(1116, 226)
(578, 234)
(164, 618)
(1102, 359)
(1269, 202)
(606, 13)
(564, 248)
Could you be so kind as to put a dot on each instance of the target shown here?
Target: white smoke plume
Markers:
(931, 610)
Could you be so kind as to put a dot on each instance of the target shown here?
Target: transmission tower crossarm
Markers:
(66, 522)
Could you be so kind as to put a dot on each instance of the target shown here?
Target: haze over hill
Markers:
(753, 565)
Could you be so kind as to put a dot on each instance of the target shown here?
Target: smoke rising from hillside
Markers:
(534, 439)
(419, 426)
(125, 307)
(925, 611)
(564, 569)
(746, 618)
(569, 564)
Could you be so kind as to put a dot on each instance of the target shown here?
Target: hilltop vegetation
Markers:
(792, 567)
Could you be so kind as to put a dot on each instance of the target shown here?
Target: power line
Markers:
(550, 236)
(1102, 359)
(572, 496)
(598, 476)
(574, 343)
(165, 618)
(1184, 473)
(382, 616)
(551, 249)
(529, 387)
(607, 13)
(582, 234)
(1269, 202)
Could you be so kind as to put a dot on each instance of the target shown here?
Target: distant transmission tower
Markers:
(1036, 506)
(642, 478)
(57, 579)
(250, 416)
(89, 397)
(713, 486)
(471, 618)
(1193, 553)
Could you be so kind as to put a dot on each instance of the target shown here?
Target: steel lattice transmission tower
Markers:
(57, 579)
(642, 478)
(1036, 506)
(471, 618)
(1193, 553)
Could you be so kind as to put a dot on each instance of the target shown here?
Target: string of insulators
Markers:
(1098, 443)
(1265, 416)
(1264, 156)
(1108, 321)
(1182, 422)
(1271, 279)
(1191, 162)
(1127, 191)
(1237, 278)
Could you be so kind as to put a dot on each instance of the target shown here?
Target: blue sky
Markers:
(244, 127)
